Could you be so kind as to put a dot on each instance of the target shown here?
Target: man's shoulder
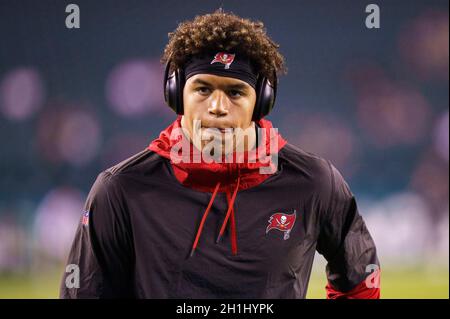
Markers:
(109, 191)
(310, 165)
(140, 161)
(323, 177)
(143, 163)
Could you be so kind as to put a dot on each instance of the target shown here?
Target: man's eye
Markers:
(203, 90)
(235, 93)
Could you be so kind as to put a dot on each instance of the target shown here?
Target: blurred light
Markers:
(80, 138)
(424, 45)
(441, 133)
(392, 114)
(68, 134)
(325, 136)
(442, 231)
(398, 117)
(134, 88)
(21, 93)
(12, 244)
(430, 179)
(57, 218)
(400, 226)
(122, 147)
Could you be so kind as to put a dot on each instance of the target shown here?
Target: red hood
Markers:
(205, 176)
(224, 177)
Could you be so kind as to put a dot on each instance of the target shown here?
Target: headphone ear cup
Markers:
(257, 110)
(169, 92)
(265, 98)
(173, 89)
(179, 91)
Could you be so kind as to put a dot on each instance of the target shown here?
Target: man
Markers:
(220, 205)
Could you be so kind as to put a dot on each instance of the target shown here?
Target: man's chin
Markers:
(222, 147)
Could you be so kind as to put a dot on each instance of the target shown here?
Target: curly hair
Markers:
(227, 32)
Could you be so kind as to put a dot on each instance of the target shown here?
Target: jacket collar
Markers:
(204, 176)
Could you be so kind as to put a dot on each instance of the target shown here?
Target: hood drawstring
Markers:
(205, 214)
(230, 210)
(233, 228)
(229, 215)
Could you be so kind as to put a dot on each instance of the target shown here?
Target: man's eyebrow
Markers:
(238, 86)
(202, 82)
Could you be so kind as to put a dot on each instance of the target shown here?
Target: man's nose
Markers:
(219, 104)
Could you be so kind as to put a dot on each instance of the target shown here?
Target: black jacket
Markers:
(142, 221)
(136, 235)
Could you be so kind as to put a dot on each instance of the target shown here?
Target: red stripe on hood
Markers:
(205, 176)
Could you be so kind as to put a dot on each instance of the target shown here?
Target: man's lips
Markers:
(221, 129)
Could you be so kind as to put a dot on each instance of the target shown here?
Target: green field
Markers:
(407, 283)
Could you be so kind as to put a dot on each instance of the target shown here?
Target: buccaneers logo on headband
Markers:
(282, 222)
(224, 58)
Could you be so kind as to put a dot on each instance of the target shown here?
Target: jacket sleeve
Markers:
(353, 269)
(100, 260)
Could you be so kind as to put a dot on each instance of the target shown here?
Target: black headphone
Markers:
(174, 85)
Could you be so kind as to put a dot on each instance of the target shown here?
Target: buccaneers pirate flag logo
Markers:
(282, 222)
(224, 58)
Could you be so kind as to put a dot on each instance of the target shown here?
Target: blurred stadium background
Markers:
(374, 101)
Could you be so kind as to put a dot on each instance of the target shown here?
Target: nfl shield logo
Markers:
(85, 218)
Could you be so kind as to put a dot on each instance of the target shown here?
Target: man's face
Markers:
(217, 102)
